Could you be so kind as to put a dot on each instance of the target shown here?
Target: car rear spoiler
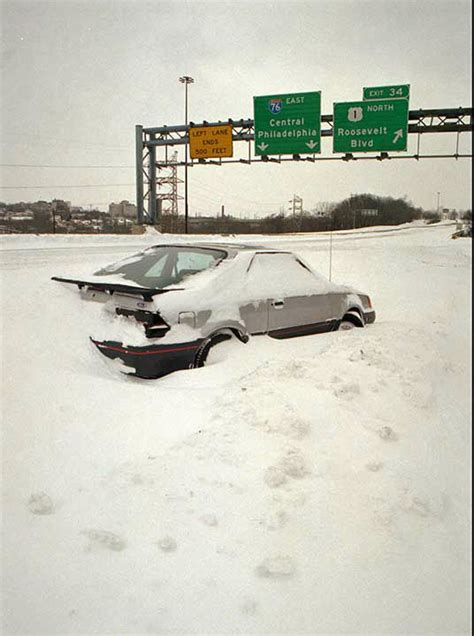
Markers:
(146, 293)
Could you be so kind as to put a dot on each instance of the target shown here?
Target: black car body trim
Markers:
(369, 317)
(304, 330)
(154, 361)
(142, 352)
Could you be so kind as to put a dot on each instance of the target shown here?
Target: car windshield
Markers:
(160, 267)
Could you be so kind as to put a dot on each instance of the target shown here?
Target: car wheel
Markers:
(345, 325)
(351, 320)
(205, 348)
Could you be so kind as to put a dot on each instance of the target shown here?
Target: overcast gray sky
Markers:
(77, 76)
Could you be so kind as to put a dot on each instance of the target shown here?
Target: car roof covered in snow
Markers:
(230, 248)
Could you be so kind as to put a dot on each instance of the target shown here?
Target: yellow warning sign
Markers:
(210, 141)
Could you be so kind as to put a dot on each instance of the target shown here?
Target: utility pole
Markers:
(437, 207)
(167, 183)
(53, 210)
(186, 79)
(296, 205)
(330, 253)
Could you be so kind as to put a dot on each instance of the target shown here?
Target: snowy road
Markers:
(315, 485)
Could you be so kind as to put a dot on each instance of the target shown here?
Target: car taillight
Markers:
(156, 331)
(155, 326)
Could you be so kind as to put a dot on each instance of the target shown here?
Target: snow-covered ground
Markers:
(314, 485)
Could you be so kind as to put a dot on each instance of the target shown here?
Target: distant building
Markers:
(122, 221)
(124, 209)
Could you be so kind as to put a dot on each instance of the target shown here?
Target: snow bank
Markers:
(314, 485)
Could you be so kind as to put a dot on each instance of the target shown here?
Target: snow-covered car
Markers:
(167, 306)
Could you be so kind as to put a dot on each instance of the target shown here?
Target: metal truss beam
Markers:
(421, 121)
(149, 140)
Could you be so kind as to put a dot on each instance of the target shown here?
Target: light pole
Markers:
(185, 79)
(330, 245)
(437, 208)
(53, 211)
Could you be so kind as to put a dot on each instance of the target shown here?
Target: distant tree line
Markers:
(361, 210)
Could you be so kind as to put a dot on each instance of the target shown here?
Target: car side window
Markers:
(282, 274)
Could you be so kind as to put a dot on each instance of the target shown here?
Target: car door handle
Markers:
(278, 304)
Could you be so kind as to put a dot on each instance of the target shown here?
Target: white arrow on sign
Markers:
(398, 135)
(311, 144)
(262, 146)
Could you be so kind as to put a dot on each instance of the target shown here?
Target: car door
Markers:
(297, 300)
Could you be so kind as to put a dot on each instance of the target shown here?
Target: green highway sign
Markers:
(402, 91)
(287, 124)
(367, 126)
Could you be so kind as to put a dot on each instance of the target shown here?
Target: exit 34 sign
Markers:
(399, 91)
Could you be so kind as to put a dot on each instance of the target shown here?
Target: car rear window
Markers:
(160, 267)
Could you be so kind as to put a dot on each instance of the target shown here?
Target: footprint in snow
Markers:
(347, 391)
(294, 370)
(278, 567)
(288, 425)
(103, 539)
(387, 433)
(374, 467)
(275, 521)
(294, 465)
(418, 507)
(40, 504)
(249, 607)
(274, 477)
(167, 544)
(357, 355)
(425, 505)
(209, 520)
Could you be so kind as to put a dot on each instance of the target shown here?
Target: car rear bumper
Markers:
(150, 362)
(369, 317)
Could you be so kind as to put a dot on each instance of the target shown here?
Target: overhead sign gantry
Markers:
(290, 127)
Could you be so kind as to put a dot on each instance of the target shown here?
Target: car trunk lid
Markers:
(125, 300)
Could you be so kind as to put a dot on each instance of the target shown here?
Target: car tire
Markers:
(351, 320)
(345, 325)
(204, 349)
